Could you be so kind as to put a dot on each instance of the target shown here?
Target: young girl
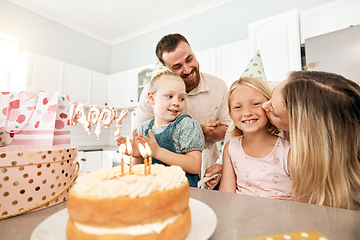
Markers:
(255, 162)
(174, 139)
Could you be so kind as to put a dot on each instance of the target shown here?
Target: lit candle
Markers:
(143, 154)
(122, 150)
(129, 149)
(148, 153)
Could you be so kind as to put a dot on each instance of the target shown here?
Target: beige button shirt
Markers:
(207, 101)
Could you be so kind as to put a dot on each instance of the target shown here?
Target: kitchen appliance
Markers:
(337, 52)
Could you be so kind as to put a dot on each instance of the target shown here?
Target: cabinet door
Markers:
(329, 18)
(33, 72)
(122, 88)
(232, 60)
(77, 83)
(207, 61)
(278, 40)
(144, 77)
(99, 89)
(90, 161)
(107, 159)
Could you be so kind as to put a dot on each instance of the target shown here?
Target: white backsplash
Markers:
(79, 137)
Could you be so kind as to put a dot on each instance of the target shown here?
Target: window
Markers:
(8, 52)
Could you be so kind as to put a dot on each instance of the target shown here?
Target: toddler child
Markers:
(174, 139)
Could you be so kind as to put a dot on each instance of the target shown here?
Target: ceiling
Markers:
(115, 21)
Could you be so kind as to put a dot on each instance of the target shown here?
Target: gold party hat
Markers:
(255, 68)
(158, 69)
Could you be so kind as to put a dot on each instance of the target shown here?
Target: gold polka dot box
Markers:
(305, 235)
(35, 177)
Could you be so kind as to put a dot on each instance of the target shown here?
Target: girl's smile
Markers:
(246, 109)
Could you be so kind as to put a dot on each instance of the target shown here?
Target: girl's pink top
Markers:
(264, 177)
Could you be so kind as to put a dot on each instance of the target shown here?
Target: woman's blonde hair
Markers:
(260, 86)
(324, 124)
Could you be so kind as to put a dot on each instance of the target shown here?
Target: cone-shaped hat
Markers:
(255, 68)
(158, 69)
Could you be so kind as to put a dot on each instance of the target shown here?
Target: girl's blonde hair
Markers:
(260, 86)
(324, 124)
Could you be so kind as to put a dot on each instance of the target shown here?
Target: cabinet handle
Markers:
(83, 159)
(131, 100)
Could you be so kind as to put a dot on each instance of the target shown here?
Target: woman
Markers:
(321, 111)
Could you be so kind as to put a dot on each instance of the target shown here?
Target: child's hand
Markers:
(120, 140)
(135, 150)
(154, 146)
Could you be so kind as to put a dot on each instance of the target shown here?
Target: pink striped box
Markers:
(31, 175)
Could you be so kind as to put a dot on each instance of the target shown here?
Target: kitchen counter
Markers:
(98, 148)
(238, 217)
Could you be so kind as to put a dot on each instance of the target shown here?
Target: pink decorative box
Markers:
(32, 175)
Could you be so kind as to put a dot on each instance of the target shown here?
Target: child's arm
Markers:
(190, 162)
(228, 178)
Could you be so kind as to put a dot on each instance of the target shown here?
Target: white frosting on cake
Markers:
(140, 229)
(108, 183)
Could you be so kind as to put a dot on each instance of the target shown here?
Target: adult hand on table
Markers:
(210, 171)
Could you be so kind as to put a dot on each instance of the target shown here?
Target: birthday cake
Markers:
(113, 204)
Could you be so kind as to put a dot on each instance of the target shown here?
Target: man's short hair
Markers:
(168, 43)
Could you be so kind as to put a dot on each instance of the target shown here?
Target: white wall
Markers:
(40, 35)
(218, 26)
(224, 24)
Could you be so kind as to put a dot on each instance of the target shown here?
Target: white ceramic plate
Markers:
(203, 224)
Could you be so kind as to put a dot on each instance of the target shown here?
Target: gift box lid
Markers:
(12, 156)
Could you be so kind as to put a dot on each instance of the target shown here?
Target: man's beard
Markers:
(197, 74)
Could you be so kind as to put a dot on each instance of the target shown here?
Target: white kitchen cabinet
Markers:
(144, 77)
(107, 159)
(90, 160)
(77, 83)
(278, 40)
(33, 72)
(99, 89)
(207, 61)
(122, 89)
(329, 18)
(232, 60)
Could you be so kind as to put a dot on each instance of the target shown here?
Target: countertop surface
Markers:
(238, 217)
(98, 148)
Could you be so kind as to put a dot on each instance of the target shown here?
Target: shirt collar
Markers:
(202, 87)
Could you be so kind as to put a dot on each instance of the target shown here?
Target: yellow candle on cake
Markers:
(122, 150)
(148, 153)
(143, 154)
(129, 150)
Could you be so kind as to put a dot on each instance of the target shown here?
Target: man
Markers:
(206, 99)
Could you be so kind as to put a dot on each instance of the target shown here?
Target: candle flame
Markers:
(128, 145)
(122, 148)
(148, 150)
(142, 150)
